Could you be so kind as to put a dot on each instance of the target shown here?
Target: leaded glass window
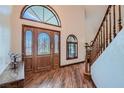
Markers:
(28, 43)
(72, 47)
(56, 43)
(43, 44)
(40, 13)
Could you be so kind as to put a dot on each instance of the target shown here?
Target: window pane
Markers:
(72, 39)
(76, 49)
(56, 43)
(71, 50)
(43, 44)
(39, 11)
(28, 42)
(30, 15)
(53, 21)
(47, 14)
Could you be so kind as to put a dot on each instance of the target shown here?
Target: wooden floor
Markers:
(65, 77)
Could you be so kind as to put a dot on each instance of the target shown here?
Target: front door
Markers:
(40, 49)
(43, 50)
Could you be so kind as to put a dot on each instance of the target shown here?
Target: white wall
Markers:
(93, 17)
(5, 33)
(108, 69)
(72, 20)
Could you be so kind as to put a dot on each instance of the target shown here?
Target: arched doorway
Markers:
(40, 46)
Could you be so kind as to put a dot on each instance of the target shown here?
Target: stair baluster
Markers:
(110, 36)
(104, 36)
(106, 31)
(114, 22)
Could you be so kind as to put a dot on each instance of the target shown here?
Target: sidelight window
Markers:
(28, 43)
(56, 43)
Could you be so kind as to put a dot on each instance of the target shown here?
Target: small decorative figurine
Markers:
(15, 59)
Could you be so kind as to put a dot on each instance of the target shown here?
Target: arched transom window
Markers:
(72, 47)
(40, 13)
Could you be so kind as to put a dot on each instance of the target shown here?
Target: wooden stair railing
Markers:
(109, 28)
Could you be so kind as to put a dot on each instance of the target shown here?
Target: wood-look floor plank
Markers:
(65, 77)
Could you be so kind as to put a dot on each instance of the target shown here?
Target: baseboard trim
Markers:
(73, 64)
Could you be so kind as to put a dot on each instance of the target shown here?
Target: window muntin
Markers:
(43, 44)
(72, 47)
(40, 13)
(72, 39)
(28, 44)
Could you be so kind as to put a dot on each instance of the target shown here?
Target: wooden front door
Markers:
(41, 49)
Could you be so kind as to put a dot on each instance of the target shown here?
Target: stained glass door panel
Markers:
(43, 44)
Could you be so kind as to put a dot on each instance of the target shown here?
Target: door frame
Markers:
(23, 26)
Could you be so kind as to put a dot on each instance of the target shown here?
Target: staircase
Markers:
(111, 25)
